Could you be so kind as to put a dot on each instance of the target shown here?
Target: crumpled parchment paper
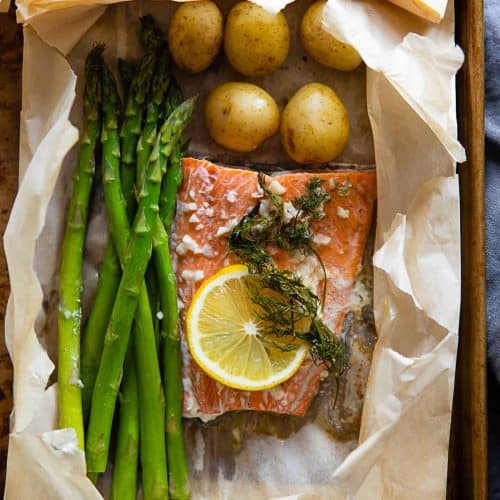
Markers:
(410, 97)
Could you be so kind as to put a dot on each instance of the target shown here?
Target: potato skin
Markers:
(314, 125)
(195, 35)
(323, 47)
(241, 116)
(256, 42)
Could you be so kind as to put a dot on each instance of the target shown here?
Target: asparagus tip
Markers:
(151, 35)
(94, 58)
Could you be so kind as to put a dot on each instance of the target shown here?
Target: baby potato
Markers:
(255, 41)
(241, 116)
(323, 47)
(314, 125)
(195, 35)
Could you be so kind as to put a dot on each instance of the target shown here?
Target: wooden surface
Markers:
(10, 103)
(468, 467)
(468, 453)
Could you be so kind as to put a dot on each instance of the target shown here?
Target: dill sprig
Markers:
(289, 307)
(312, 202)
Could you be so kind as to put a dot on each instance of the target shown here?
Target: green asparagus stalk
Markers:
(173, 178)
(178, 475)
(95, 329)
(96, 444)
(152, 421)
(145, 335)
(107, 286)
(125, 470)
(170, 186)
(146, 140)
(70, 312)
(154, 302)
(134, 256)
(179, 487)
(144, 146)
(134, 110)
(124, 483)
(151, 403)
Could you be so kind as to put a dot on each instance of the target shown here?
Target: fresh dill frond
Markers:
(296, 236)
(327, 347)
(248, 240)
(312, 202)
(288, 307)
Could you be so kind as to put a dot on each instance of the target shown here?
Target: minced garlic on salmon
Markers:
(214, 199)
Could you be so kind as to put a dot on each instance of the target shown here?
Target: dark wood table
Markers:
(10, 104)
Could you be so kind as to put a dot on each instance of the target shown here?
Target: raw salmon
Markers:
(211, 201)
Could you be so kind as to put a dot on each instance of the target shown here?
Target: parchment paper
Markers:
(410, 98)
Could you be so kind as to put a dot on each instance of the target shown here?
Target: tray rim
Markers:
(468, 465)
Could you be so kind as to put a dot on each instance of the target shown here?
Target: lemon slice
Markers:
(224, 334)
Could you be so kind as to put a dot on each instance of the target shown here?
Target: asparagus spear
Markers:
(145, 335)
(147, 138)
(145, 144)
(152, 448)
(124, 480)
(124, 483)
(95, 329)
(173, 178)
(178, 472)
(107, 286)
(178, 476)
(154, 302)
(170, 186)
(134, 110)
(69, 315)
(135, 256)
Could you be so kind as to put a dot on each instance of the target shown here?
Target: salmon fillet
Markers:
(211, 201)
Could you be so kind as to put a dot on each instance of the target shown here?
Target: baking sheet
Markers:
(410, 231)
